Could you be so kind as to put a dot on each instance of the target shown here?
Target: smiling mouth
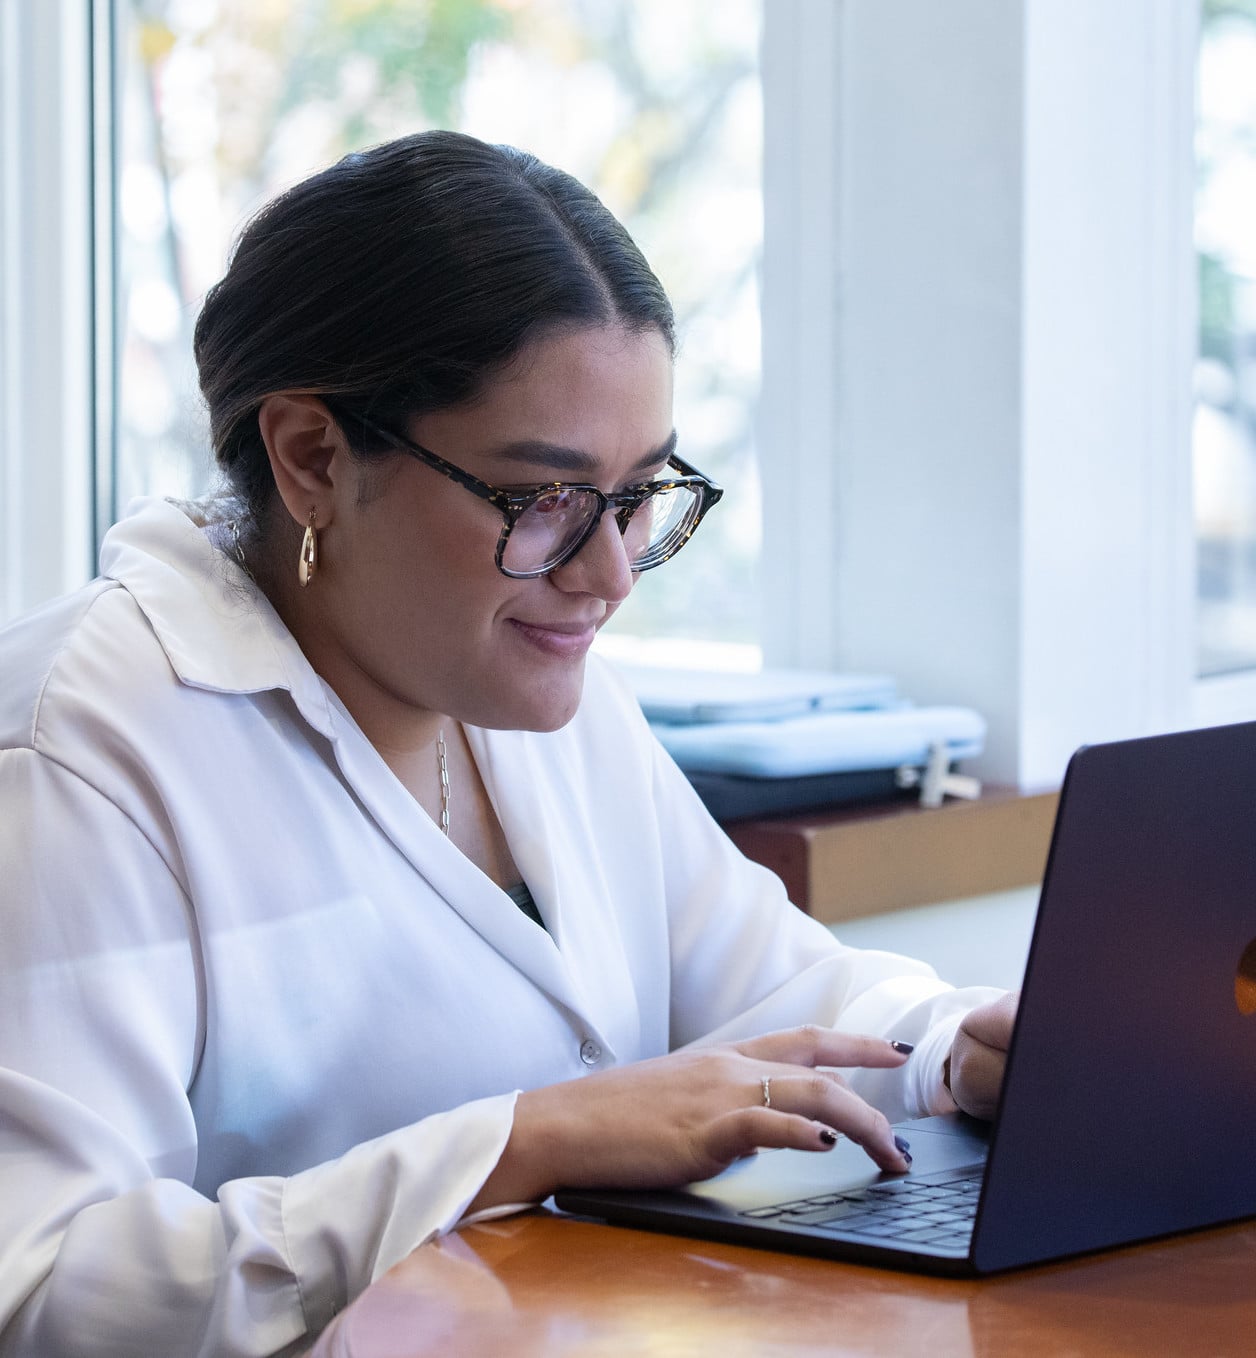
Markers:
(567, 640)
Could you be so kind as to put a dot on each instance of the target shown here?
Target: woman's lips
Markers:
(566, 640)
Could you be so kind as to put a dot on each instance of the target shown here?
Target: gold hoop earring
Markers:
(308, 563)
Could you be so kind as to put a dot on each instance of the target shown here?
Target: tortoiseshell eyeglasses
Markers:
(546, 525)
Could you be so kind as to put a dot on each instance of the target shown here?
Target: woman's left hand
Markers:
(979, 1055)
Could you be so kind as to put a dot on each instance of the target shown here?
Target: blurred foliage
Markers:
(1225, 9)
(420, 53)
(1216, 309)
(269, 58)
(1216, 146)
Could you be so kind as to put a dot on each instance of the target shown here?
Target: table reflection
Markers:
(547, 1285)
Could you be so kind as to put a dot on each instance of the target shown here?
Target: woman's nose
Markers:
(601, 567)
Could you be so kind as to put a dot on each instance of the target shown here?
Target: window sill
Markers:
(849, 863)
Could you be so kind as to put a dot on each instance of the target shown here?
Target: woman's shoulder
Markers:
(75, 650)
(134, 652)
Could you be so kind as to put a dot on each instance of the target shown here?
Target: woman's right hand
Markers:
(686, 1116)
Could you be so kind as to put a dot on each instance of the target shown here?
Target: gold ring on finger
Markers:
(767, 1091)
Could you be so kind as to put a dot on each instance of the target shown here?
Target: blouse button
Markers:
(590, 1052)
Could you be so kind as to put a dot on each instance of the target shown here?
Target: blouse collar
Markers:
(217, 628)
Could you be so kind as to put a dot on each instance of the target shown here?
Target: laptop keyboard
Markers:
(936, 1210)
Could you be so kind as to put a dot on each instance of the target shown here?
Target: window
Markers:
(1224, 428)
(979, 307)
(656, 106)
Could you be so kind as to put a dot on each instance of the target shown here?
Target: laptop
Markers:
(1129, 1099)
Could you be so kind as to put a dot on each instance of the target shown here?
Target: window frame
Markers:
(47, 450)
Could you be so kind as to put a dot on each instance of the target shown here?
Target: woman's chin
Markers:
(546, 707)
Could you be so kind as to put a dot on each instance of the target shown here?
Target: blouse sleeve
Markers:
(746, 961)
(105, 1246)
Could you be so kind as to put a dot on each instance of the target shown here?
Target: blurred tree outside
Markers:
(1224, 427)
(655, 106)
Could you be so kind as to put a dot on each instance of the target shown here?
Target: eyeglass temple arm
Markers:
(714, 490)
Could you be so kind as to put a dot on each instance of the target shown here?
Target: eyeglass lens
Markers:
(547, 530)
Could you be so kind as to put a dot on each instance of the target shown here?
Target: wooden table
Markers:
(545, 1286)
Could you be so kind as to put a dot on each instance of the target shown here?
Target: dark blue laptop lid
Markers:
(1130, 1095)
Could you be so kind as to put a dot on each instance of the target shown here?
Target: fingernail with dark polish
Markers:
(828, 1136)
(903, 1048)
(904, 1147)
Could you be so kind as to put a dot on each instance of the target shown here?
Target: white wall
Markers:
(927, 534)
(1006, 477)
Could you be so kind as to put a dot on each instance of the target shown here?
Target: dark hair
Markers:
(397, 281)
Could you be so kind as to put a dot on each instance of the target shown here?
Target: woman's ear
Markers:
(302, 440)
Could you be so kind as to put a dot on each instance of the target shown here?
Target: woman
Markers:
(344, 894)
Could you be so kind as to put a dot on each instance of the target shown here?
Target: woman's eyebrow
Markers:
(560, 458)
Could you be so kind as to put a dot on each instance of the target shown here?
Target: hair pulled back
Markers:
(397, 281)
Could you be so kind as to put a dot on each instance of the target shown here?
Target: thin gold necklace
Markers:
(444, 782)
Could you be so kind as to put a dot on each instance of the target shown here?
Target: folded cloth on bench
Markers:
(824, 742)
(697, 696)
(778, 741)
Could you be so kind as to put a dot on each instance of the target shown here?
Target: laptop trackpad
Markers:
(937, 1144)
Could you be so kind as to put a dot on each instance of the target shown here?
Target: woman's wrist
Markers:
(528, 1168)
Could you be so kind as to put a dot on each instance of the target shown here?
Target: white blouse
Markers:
(262, 1025)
